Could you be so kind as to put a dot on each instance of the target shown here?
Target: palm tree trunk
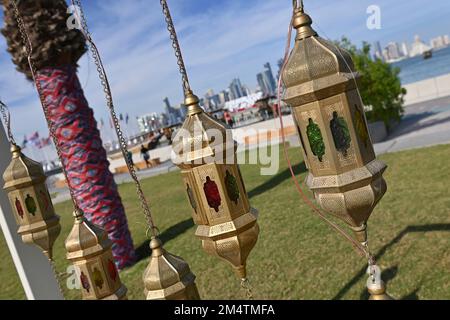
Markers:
(85, 158)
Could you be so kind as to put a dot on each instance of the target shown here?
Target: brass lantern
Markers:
(31, 203)
(344, 174)
(206, 154)
(89, 249)
(168, 277)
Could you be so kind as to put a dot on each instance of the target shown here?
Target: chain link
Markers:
(109, 102)
(29, 51)
(7, 119)
(57, 276)
(246, 286)
(176, 47)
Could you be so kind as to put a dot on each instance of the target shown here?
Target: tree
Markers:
(380, 85)
(56, 51)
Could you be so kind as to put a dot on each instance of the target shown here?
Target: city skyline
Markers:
(395, 50)
(138, 57)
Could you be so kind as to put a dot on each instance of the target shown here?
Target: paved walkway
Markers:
(424, 124)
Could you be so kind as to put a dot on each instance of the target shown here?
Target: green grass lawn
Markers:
(297, 256)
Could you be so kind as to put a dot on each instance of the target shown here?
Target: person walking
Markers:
(145, 155)
(130, 160)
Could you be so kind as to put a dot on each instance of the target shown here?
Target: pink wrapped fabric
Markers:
(85, 158)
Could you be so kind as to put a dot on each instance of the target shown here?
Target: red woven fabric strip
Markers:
(85, 158)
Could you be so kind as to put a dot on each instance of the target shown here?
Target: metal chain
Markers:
(246, 286)
(109, 101)
(57, 276)
(176, 46)
(29, 51)
(7, 119)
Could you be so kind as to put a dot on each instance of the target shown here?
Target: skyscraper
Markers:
(378, 51)
(268, 75)
(261, 83)
(236, 90)
(393, 50)
(173, 115)
(266, 81)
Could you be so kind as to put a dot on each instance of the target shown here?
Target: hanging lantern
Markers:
(344, 174)
(31, 203)
(89, 249)
(226, 223)
(168, 277)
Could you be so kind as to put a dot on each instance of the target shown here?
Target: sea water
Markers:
(417, 68)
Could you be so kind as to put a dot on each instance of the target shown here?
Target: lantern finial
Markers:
(191, 102)
(302, 22)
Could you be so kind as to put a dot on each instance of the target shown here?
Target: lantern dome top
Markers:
(85, 239)
(199, 137)
(22, 170)
(166, 274)
(313, 58)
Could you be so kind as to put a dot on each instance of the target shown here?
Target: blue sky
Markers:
(220, 40)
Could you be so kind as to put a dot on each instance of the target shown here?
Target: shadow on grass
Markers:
(390, 273)
(143, 251)
(277, 179)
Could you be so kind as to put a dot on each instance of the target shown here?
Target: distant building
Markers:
(418, 47)
(236, 89)
(266, 81)
(243, 102)
(212, 101)
(393, 51)
(378, 52)
(405, 49)
(224, 96)
(173, 115)
(447, 40)
(149, 122)
(438, 42)
(280, 66)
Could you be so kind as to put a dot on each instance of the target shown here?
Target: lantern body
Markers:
(206, 154)
(30, 201)
(89, 249)
(168, 277)
(321, 88)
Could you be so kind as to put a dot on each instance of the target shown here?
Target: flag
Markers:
(34, 139)
(45, 142)
(24, 142)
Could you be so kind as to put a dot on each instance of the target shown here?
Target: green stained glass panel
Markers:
(232, 187)
(30, 204)
(315, 139)
(340, 133)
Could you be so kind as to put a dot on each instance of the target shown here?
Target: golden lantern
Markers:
(344, 174)
(89, 249)
(30, 200)
(226, 223)
(168, 277)
(346, 178)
